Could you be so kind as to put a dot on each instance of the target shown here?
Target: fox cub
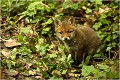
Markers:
(79, 41)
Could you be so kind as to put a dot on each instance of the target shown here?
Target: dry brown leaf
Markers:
(6, 53)
(103, 10)
(38, 77)
(32, 72)
(11, 43)
(2, 75)
(84, 7)
(11, 72)
(56, 72)
(107, 9)
(73, 74)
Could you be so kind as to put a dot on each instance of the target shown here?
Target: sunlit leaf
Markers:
(25, 30)
(64, 71)
(45, 30)
(53, 55)
(88, 10)
(96, 26)
(32, 5)
(102, 66)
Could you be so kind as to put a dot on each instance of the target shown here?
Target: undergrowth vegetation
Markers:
(30, 49)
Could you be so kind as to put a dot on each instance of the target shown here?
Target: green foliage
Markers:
(103, 71)
(40, 51)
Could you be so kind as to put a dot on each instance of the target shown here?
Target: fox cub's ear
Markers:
(71, 20)
(57, 22)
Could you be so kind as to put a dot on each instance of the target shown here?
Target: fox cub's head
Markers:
(65, 30)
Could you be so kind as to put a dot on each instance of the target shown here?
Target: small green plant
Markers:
(103, 71)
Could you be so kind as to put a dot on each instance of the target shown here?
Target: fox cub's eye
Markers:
(61, 32)
(69, 31)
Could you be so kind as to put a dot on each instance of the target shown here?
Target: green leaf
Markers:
(75, 6)
(66, 4)
(65, 65)
(59, 15)
(97, 55)
(38, 69)
(13, 56)
(45, 30)
(49, 21)
(108, 48)
(114, 36)
(41, 40)
(53, 55)
(73, 71)
(103, 15)
(102, 66)
(87, 59)
(45, 74)
(64, 71)
(105, 21)
(9, 65)
(108, 38)
(69, 57)
(88, 11)
(25, 30)
(96, 1)
(32, 5)
(61, 48)
(96, 26)
(87, 70)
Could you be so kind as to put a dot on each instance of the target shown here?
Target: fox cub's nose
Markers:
(65, 38)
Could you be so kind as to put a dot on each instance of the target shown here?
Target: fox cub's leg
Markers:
(78, 57)
(89, 56)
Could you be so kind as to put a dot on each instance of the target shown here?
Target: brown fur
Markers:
(78, 40)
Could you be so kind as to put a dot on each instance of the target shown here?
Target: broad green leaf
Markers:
(103, 15)
(87, 59)
(108, 37)
(105, 21)
(114, 44)
(88, 10)
(64, 64)
(45, 30)
(69, 57)
(13, 56)
(85, 71)
(9, 65)
(73, 71)
(49, 21)
(96, 26)
(66, 4)
(53, 55)
(61, 48)
(64, 71)
(25, 30)
(75, 6)
(114, 36)
(59, 15)
(97, 55)
(38, 69)
(96, 1)
(102, 66)
(108, 48)
(45, 74)
(32, 5)
(41, 40)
